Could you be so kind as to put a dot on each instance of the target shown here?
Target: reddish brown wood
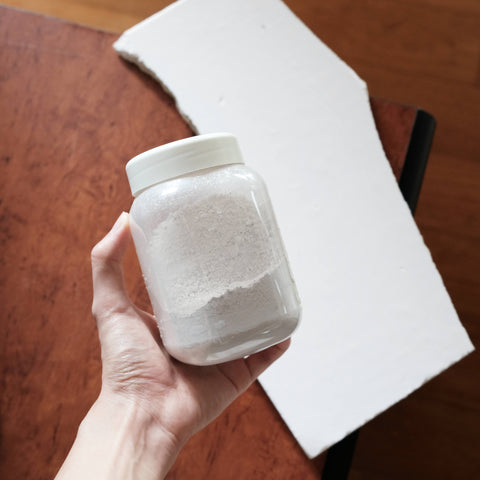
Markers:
(72, 114)
(394, 124)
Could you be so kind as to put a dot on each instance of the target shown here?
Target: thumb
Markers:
(109, 292)
(259, 362)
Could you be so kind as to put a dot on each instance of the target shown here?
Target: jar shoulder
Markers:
(236, 180)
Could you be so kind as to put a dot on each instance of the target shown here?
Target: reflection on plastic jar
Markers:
(210, 251)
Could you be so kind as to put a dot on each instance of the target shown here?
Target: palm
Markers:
(187, 397)
(136, 365)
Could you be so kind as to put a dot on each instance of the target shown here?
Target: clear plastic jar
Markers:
(210, 251)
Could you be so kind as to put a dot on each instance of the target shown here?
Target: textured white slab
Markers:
(377, 319)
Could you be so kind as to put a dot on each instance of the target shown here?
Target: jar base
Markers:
(235, 346)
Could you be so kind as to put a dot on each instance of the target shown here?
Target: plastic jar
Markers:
(210, 251)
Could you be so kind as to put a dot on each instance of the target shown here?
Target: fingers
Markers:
(259, 362)
(108, 286)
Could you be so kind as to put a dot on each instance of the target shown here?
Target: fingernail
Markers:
(120, 222)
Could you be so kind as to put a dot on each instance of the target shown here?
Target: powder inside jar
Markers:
(211, 247)
(210, 251)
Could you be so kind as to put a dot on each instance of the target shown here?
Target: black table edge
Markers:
(416, 159)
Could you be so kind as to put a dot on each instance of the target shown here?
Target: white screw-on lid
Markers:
(181, 157)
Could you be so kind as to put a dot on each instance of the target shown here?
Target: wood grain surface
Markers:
(73, 113)
(67, 128)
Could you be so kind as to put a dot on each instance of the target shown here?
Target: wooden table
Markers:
(71, 115)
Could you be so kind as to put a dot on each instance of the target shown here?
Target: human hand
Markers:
(161, 395)
(136, 366)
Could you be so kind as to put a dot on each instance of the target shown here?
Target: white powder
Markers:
(214, 263)
(239, 316)
(215, 251)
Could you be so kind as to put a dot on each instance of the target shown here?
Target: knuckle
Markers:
(95, 310)
(111, 307)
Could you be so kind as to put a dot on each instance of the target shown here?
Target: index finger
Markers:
(109, 291)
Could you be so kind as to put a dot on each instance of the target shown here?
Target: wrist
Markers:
(117, 439)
